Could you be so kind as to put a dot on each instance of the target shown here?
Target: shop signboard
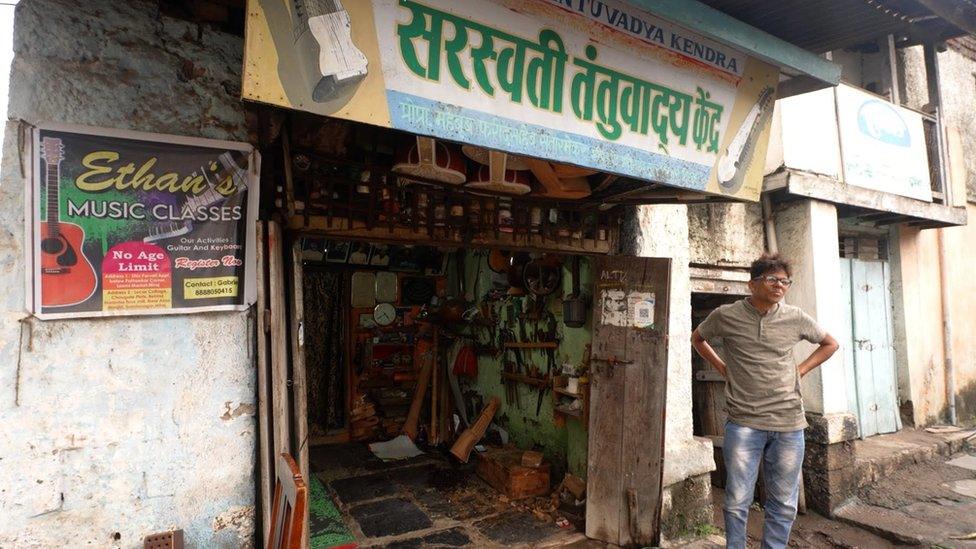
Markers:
(882, 145)
(600, 84)
(128, 223)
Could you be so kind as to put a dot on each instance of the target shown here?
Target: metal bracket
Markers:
(611, 361)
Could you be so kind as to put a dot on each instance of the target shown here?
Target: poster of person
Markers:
(359, 254)
(128, 223)
(380, 256)
(337, 251)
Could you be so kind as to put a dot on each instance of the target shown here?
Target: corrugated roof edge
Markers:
(792, 60)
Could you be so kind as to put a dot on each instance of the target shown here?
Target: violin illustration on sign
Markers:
(67, 277)
(732, 167)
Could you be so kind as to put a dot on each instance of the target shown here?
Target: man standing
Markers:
(762, 394)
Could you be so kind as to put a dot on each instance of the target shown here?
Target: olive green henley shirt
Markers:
(762, 389)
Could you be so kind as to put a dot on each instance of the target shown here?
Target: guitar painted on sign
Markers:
(67, 277)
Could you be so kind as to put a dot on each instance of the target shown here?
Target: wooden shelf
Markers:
(561, 411)
(528, 380)
(569, 412)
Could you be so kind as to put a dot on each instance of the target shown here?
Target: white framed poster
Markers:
(132, 223)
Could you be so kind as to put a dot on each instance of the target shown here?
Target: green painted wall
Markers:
(564, 447)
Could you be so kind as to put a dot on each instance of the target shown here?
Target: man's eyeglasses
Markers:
(770, 280)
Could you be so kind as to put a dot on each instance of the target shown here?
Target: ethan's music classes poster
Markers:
(136, 223)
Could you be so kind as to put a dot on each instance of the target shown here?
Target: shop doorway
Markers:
(708, 386)
(418, 339)
(404, 307)
(869, 365)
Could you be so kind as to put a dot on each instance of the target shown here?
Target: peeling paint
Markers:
(240, 410)
(117, 421)
(239, 520)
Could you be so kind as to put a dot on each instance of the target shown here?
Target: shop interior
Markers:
(439, 302)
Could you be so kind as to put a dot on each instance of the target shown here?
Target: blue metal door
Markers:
(872, 385)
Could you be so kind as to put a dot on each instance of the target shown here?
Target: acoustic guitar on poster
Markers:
(67, 277)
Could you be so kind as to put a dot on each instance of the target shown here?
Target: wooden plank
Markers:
(265, 445)
(862, 357)
(604, 462)
(626, 445)
(280, 408)
(882, 359)
(644, 400)
(299, 383)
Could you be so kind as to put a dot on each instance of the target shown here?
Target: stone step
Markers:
(878, 457)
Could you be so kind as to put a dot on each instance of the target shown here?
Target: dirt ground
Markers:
(921, 483)
(809, 531)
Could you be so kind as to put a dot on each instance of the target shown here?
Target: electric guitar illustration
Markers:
(733, 165)
(209, 197)
(67, 277)
(323, 40)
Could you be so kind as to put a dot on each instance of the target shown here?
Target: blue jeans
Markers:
(781, 454)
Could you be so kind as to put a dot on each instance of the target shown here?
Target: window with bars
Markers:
(863, 247)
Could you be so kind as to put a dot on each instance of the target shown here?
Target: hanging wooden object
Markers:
(556, 186)
(430, 159)
(482, 156)
(499, 177)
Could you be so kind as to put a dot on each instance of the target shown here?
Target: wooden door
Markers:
(628, 368)
(871, 354)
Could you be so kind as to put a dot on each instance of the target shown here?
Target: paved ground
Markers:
(426, 502)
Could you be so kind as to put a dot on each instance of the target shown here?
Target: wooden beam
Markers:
(299, 385)
(265, 445)
(280, 409)
(340, 228)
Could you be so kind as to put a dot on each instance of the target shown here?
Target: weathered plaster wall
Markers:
(956, 71)
(959, 243)
(918, 314)
(806, 231)
(114, 429)
(918, 324)
(728, 235)
(663, 232)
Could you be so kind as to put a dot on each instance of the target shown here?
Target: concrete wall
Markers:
(918, 324)
(806, 231)
(728, 235)
(919, 338)
(662, 231)
(114, 429)
(918, 311)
